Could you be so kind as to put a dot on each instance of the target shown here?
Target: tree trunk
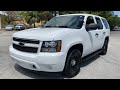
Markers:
(34, 24)
(9, 22)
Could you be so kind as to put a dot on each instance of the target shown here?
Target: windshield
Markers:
(72, 21)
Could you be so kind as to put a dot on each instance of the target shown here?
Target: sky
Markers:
(117, 13)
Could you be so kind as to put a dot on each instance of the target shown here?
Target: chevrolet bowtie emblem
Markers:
(21, 44)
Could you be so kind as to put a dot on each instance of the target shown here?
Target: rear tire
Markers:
(104, 48)
(73, 63)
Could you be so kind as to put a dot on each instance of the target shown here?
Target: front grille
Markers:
(25, 49)
(26, 40)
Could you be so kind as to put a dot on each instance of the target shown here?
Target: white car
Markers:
(20, 27)
(62, 44)
(116, 29)
(9, 27)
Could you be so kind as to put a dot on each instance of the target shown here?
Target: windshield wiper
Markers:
(63, 26)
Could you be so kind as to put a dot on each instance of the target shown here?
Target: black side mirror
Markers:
(91, 26)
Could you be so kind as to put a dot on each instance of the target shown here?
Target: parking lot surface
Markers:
(99, 67)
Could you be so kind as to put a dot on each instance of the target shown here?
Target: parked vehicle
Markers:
(116, 28)
(61, 44)
(9, 27)
(20, 27)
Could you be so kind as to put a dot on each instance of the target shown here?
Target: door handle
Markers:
(96, 34)
(104, 33)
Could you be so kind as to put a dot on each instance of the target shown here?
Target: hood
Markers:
(43, 34)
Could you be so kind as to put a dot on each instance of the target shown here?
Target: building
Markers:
(1, 13)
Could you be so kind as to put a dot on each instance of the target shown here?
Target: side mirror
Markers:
(91, 26)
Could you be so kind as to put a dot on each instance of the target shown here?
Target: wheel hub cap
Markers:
(73, 62)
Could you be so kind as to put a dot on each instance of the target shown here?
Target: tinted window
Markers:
(66, 22)
(106, 23)
(100, 25)
(89, 20)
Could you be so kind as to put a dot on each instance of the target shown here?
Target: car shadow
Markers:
(48, 75)
(39, 74)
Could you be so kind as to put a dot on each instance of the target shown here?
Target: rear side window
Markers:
(106, 23)
(100, 25)
(89, 20)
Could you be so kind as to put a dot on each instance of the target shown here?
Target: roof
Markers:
(80, 14)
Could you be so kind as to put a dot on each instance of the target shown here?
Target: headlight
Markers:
(51, 46)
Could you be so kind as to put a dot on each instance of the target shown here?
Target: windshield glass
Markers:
(72, 21)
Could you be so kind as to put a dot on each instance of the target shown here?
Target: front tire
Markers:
(73, 63)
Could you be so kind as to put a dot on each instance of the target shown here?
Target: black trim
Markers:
(26, 40)
(91, 55)
(25, 49)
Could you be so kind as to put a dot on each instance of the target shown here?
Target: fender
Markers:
(72, 44)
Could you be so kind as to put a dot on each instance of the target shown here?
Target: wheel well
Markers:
(77, 46)
(107, 38)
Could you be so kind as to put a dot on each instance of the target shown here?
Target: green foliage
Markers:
(35, 16)
(38, 16)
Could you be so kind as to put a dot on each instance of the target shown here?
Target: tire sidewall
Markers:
(67, 70)
(104, 51)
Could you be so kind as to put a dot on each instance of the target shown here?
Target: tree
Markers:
(35, 16)
(69, 12)
(11, 16)
(44, 15)
(29, 16)
(38, 16)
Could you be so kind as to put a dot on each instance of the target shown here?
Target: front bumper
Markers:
(50, 62)
(8, 28)
(18, 29)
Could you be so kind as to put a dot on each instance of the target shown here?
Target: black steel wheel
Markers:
(73, 63)
(104, 48)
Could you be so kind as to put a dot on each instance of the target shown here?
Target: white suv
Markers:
(61, 44)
